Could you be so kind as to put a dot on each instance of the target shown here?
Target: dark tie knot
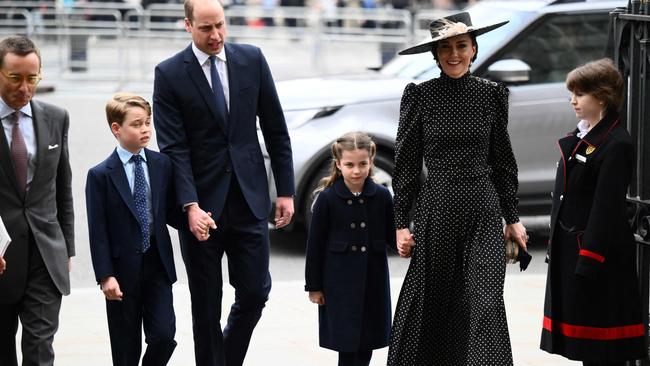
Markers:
(16, 117)
(136, 159)
(213, 59)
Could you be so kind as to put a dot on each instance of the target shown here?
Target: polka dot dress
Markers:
(450, 310)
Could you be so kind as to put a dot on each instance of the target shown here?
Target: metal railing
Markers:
(631, 31)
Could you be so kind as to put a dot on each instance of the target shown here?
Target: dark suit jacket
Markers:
(115, 235)
(205, 149)
(46, 209)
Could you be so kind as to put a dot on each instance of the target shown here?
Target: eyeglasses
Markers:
(18, 79)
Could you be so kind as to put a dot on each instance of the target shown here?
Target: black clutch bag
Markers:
(514, 254)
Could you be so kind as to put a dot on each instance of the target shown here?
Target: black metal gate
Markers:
(631, 35)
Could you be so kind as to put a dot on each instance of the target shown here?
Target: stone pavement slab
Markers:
(288, 331)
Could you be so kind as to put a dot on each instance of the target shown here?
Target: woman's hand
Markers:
(405, 242)
(317, 297)
(517, 233)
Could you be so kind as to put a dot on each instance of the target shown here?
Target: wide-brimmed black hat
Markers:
(447, 27)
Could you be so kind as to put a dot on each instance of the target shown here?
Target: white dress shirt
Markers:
(26, 125)
(222, 69)
(129, 169)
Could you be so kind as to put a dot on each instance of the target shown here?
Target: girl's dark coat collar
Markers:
(369, 188)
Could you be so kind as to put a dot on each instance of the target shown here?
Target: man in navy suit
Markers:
(206, 101)
(129, 197)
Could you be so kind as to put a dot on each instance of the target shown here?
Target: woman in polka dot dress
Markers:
(450, 311)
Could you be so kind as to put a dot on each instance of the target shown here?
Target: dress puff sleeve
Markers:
(408, 155)
(502, 159)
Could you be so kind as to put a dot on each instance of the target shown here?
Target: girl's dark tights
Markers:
(359, 358)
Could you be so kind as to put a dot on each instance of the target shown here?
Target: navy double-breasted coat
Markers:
(592, 310)
(346, 259)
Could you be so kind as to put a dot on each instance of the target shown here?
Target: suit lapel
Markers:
(42, 132)
(118, 176)
(235, 66)
(155, 180)
(5, 161)
(195, 72)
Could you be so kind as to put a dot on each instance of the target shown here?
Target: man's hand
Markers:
(317, 297)
(111, 288)
(283, 211)
(200, 222)
(69, 264)
(3, 265)
(405, 242)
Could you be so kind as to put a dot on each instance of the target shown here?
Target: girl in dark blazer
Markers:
(592, 310)
(346, 267)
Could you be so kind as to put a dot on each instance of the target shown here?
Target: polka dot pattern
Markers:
(140, 200)
(451, 310)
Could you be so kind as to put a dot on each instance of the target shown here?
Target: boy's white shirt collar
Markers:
(125, 155)
(583, 128)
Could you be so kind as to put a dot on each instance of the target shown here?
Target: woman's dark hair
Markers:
(599, 78)
(434, 48)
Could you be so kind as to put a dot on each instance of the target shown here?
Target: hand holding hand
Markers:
(200, 222)
(317, 297)
(283, 211)
(405, 243)
(111, 288)
(517, 233)
(3, 265)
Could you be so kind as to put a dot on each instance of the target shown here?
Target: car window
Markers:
(560, 43)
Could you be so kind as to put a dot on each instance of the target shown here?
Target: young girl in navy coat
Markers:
(346, 267)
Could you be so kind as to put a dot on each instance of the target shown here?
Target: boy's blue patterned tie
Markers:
(217, 89)
(140, 199)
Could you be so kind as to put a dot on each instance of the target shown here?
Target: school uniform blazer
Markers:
(206, 149)
(46, 210)
(113, 227)
(346, 259)
(592, 198)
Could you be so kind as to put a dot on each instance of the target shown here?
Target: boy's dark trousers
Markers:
(150, 306)
(359, 358)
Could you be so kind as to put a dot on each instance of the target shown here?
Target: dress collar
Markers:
(461, 81)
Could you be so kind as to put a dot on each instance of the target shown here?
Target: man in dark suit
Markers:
(35, 205)
(206, 101)
(128, 198)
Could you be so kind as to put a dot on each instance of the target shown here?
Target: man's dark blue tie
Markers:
(140, 199)
(217, 89)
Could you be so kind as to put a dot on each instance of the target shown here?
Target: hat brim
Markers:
(428, 45)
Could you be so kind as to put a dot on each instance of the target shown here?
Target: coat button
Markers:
(561, 197)
(363, 248)
(361, 201)
(349, 202)
(570, 157)
(557, 165)
(353, 248)
(362, 224)
(353, 225)
(551, 194)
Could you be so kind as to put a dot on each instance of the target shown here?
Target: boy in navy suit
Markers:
(128, 198)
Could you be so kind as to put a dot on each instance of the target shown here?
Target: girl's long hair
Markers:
(348, 142)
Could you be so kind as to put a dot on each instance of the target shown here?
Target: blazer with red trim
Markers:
(592, 310)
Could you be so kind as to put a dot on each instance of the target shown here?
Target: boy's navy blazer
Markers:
(115, 235)
(206, 149)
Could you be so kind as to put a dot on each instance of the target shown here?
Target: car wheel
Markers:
(382, 173)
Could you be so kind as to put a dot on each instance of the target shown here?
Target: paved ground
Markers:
(287, 333)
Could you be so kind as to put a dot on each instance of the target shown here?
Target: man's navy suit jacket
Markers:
(115, 235)
(206, 149)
